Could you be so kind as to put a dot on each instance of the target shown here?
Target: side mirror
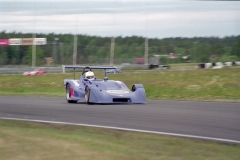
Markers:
(106, 78)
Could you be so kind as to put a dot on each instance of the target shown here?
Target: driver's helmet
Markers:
(89, 75)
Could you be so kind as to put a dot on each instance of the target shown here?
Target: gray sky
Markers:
(151, 18)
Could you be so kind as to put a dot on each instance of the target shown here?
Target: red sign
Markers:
(4, 42)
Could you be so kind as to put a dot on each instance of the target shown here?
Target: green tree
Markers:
(3, 58)
(236, 48)
(39, 56)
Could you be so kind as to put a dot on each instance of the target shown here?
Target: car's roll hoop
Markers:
(89, 68)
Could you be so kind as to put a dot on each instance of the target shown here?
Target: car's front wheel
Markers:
(134, 88)
(69, 91)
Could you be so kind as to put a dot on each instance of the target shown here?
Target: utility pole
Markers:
(112, 50)
(195, 51)
(75, 39)
(34, 51)
(146, 38)
(75, 50)
(146, 51)
(112, 41)
(33, 42)
(61, 53)
(54, 50)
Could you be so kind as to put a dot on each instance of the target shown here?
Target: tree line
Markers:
(95, 49)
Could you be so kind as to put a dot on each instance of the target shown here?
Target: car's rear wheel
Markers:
(87, 95)
(68, 94)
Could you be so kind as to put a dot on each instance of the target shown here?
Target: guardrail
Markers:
(59, 69)
(218, 65)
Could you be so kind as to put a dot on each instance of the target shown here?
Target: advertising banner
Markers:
(27, 41)
(40, 41)
(15, 41)
(4, 42)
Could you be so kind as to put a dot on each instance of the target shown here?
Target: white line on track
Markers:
(127, 129)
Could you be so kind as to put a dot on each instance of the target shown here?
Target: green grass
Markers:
(40, 141)
(200, 84)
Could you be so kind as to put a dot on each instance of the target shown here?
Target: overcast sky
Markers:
(151, 18)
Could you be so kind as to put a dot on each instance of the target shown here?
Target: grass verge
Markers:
(41, 141)
(200, 84)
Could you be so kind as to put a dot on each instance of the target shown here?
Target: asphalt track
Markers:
(206, 120)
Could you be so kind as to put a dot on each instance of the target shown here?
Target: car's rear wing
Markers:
(90, 67)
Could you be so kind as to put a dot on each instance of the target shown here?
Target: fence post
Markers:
(63, 68)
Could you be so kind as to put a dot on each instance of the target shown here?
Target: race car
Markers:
(35, 72)
(101, 91)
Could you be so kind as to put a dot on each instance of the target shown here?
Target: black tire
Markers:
(68, 94)
(133, 88)
(87, 95)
